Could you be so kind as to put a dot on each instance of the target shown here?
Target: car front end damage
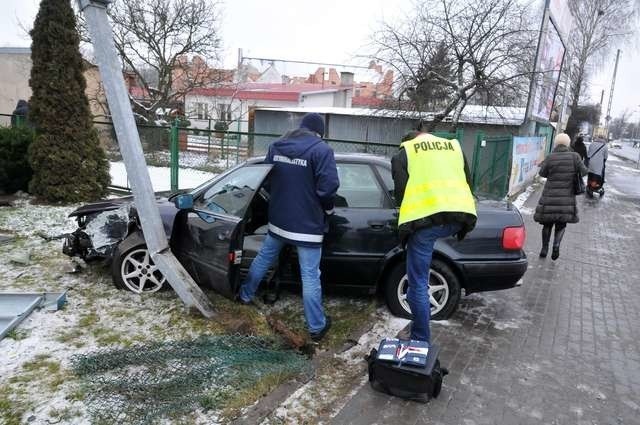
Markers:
(100, 230)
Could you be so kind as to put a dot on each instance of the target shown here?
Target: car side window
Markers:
(233, 193)
(387, 180)
(359, 187)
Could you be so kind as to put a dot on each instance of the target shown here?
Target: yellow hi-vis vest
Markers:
(437, 181)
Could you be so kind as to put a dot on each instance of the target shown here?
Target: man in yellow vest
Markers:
(432, 186)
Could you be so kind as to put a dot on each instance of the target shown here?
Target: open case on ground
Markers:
(406, 369)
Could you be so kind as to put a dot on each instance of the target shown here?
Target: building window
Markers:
(202, 111)
(224, 110)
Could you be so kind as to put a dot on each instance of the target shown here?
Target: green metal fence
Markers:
(189, 155)
(491, 167)
(546, 131)
(458, 134)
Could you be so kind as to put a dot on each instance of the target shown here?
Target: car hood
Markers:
(166, 208)
(100, 206)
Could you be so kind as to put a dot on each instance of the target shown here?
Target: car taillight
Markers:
(513, 238)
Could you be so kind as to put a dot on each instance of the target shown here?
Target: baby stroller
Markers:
(595, 184)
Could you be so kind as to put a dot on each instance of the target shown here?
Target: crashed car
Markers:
(218, 236)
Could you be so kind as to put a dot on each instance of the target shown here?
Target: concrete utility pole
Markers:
(613, 84)
(95, 13)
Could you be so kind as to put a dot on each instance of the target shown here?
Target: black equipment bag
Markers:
(406, 381)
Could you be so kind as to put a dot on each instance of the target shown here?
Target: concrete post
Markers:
(95, 13)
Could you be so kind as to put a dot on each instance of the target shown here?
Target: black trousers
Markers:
(559, 233)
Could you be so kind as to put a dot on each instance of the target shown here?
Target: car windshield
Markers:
(233, 193)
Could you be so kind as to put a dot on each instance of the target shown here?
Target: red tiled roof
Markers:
(138, 92)
(263, 91)
(363, 101)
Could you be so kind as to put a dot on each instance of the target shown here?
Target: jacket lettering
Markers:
(433, 146)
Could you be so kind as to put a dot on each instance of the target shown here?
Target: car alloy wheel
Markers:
(438, 292)
(139, 273)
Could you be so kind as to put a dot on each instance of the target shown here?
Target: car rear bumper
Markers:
(493, 275)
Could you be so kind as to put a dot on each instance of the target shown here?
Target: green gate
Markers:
(492, 164)
(547, 132)
(458, 135)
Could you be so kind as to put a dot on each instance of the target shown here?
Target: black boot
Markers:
(546, 236)
(557, 239)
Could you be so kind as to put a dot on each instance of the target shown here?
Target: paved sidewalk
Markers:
(564, 348)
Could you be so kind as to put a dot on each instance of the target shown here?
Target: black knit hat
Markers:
(313, 122)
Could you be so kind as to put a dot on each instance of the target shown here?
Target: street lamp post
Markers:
(155, 237)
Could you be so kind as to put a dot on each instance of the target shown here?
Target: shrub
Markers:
(15, 171)
(68, 163)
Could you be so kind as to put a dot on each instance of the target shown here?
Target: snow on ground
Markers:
(96, 315)
(38, 219)
(338, 379)
(522, 199)
(34, 359)
(190, 159)
(626, 151)
(161, 177)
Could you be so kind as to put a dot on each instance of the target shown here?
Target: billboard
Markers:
(561, 17)
(551, 53)
(527, 154)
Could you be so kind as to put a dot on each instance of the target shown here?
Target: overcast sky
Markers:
(334, 31)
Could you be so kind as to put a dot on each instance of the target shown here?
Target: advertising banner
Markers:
(561, 16)
(528, 153)
(551, 57)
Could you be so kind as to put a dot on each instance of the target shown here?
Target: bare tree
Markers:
(620, 126)
(489, 45)
(156, 40)
(599, 25)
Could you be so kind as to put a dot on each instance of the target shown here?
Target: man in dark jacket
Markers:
(432, 186)
(303, 184)
(580, 148)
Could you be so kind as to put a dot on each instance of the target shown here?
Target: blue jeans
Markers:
(309, 260)
(419, 253)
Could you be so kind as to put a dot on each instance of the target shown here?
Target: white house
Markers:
(15, 67)
(234, 104)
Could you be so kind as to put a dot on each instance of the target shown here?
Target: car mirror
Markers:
(184, 201)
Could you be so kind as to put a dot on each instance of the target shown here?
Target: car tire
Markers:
(444, 286)
(134, 270)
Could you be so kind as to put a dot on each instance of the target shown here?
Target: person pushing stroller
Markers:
(596, 162)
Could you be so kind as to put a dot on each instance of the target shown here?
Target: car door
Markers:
(210, 235)
(361, 231)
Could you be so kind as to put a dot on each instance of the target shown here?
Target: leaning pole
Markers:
(95, 13)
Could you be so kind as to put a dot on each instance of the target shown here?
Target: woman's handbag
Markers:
(578, 184)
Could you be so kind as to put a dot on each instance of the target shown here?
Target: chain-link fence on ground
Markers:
(148, 383)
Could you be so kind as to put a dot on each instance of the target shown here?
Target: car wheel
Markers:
(444, 291)
(134, 270)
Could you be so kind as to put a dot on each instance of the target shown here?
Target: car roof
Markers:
(365, 158)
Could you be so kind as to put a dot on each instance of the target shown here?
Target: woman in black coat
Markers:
(557, 205)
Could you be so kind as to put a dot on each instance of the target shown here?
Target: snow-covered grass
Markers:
(338, 377)
(36, 383)
(523, 197)
(161, 177)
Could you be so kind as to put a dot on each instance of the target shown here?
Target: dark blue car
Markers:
(217, 239)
